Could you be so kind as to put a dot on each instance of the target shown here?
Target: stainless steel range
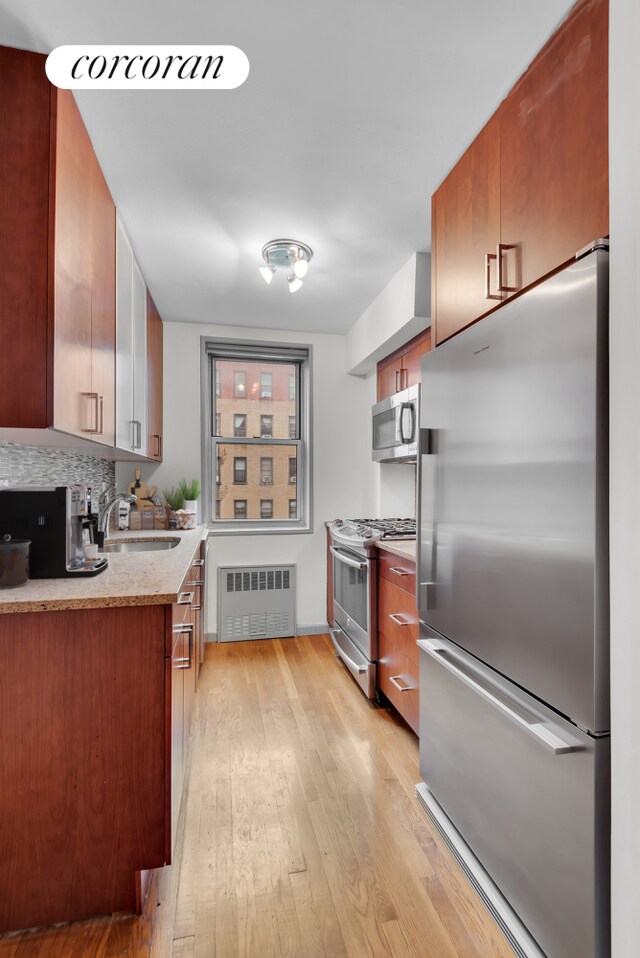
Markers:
(354, 629)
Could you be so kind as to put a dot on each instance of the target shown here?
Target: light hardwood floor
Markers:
(300, 836)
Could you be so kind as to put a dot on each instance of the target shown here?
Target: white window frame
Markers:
(256, 351)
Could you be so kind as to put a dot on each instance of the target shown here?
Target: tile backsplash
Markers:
(34, 465)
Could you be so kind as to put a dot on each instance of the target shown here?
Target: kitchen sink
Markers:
(139, 545)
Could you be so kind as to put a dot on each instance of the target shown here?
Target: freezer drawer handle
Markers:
(538, 730)
(352, 665)
(395, 616)
(397, 570)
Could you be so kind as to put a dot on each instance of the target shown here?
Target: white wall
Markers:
(624, 150)
(341, 456)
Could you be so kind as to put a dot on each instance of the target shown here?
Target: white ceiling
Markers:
(353, 112)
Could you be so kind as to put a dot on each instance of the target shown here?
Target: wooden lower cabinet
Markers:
(96, 708)
(398, 674)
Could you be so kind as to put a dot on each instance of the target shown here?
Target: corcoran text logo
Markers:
(147, 67)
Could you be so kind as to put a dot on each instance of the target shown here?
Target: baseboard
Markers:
(518, 936)
(211, 637)
(312, 629)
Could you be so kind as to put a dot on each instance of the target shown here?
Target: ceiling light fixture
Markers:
(286, 254)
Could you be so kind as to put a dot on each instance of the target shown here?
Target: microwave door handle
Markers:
(410, 407)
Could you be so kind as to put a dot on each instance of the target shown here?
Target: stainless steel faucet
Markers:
(103, 523)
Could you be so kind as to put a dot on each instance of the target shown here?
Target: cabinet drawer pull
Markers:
(396, 618)
(397, 570)
(198, 562)
(195, 582)
(487, 277)
(185, 598)
(401, 688)
(500, 249)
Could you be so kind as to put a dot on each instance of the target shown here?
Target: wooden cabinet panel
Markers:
(82, 703)
(398, 570)
(398, 679)
(398, 618)
(402, 368)
(466, 229)
(103, 306)
(154, 380)
(24, 240)
(74, 409)
(554, 132)
(177, 732)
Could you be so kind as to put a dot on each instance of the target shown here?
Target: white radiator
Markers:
(256, 602)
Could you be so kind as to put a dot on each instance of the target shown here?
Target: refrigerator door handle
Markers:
(539, 730)
(425, 518)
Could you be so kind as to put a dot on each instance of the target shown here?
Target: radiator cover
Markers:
(256, 602)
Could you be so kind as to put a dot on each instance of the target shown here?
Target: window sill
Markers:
(257, 527)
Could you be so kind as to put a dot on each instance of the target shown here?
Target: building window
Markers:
(240, 384)
(266, 385)
(266, 427)
(266, 470)
(258, 454)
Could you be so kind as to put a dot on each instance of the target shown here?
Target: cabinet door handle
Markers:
(158, 440)
(93, 397)
(396, 618)
(398, 571)
(101, 430)
(404, 378)
(487, 277)
(396, 389)
(137, 434)
(401, 688)
(500, 249)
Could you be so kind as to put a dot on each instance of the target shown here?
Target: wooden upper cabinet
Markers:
(154, 380)
(465, 218)
(57, 261)
(533, 187)
(554, 156)
(401, 368)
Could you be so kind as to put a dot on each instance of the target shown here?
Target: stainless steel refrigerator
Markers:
(513, 585)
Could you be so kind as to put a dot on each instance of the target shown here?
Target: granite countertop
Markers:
(405, 548)
(132, 578)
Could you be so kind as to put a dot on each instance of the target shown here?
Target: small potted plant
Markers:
(190, 493)
(174, 500)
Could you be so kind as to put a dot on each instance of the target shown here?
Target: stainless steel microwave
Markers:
(395, 427)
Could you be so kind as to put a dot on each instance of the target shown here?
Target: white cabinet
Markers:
(131, 348)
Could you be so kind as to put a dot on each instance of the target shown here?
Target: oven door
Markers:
(354, 600)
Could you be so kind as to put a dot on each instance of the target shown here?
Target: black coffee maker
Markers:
(59, 522)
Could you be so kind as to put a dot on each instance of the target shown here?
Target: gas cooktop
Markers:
(365, 529)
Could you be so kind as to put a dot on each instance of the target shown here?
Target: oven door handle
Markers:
(341, 557)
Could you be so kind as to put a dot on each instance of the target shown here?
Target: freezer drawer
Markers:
(526, 790)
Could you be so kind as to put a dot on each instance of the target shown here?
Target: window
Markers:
(266, 427)
(217, 383)
(266, 471)
(266, 385)
(240, 384)
(257, 454)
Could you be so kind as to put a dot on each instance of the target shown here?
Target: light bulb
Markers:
(294, 283)
(300, 268)
(267, 273)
